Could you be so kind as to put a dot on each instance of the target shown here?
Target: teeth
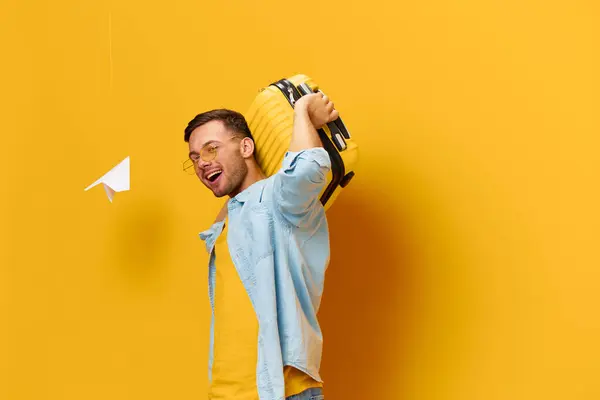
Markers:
(213, 174)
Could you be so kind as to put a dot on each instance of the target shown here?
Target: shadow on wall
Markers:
(368, 305)
(141, 241)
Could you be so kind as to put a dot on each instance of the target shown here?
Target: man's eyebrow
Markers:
(210, 142)
(192, 153)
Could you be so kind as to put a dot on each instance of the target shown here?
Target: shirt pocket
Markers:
(255, 233)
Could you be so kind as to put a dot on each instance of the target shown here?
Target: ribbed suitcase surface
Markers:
(271, 118)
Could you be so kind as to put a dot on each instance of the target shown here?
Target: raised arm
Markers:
(306, 164)
(311, 112)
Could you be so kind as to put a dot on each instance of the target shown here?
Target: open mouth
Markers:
(213, 176)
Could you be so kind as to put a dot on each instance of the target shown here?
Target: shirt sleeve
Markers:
(299, 182)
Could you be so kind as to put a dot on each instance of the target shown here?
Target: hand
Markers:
(319, 108)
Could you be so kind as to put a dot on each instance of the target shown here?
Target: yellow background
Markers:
(465, 252)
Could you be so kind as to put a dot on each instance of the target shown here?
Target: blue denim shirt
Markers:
(278, 239)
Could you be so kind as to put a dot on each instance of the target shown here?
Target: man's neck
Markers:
(254, 175)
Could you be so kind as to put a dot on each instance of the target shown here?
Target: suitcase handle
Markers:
(292, 94)
(305, 89)
(337, 128)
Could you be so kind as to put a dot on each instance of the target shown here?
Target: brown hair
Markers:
(233, 120)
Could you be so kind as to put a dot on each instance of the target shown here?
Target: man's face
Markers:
(223, 168)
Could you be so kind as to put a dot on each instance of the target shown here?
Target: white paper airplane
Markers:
(115, 180)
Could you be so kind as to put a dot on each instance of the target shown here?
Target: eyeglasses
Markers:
(207, 153)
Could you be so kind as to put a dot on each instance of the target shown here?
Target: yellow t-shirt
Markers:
(236, 337)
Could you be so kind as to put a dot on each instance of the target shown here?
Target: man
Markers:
(269, 249)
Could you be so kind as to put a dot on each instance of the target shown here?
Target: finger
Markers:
(329, 107)
(334, 115)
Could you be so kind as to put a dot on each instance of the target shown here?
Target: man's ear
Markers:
(247, 147)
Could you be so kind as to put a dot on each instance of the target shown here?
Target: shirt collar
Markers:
(209, 236)
(249, 192)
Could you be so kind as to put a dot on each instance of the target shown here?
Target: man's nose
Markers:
(203, 164)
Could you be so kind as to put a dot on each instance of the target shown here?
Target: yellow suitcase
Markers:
(271, 118)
